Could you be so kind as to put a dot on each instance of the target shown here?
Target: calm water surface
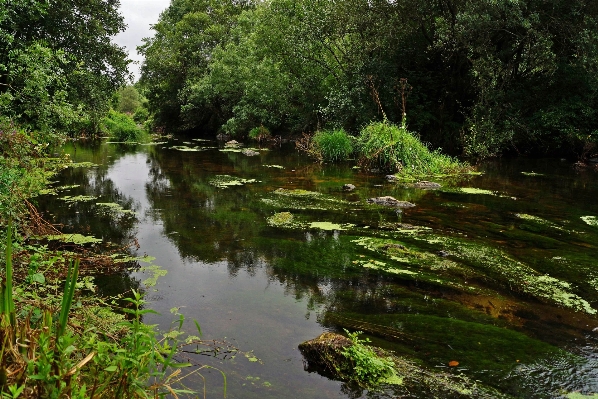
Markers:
(504, 281)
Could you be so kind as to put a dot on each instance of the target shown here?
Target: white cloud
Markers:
(139, 16)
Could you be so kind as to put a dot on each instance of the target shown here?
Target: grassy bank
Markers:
(59, 339)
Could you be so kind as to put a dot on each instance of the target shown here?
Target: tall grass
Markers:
(390, 148)
(40, 358)
(332, 145)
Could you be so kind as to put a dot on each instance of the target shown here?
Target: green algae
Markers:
(539, 220)
(590, 220)
(476, 191)
(296, 193)
(330, 226)
(226, 181)
(274, 166)
(514, 273)
(280, 219)
(476, 345)
(78, 239)
(78, 198)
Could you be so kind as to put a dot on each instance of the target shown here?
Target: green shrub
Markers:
(259, 133)
(122, 127)
(141, 115)
(332, 145)
(384, 146)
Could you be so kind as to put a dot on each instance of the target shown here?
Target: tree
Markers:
(59, 57)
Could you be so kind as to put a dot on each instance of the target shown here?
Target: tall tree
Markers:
(59, 55)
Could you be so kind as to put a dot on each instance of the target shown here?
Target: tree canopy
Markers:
(482, 76)
(58, 64)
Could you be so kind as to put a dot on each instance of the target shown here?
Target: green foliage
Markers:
(369, 368)
(484, 77)
(58, 66)
(382, 145)
(129, 100)
(54, 361)
(332, 145)
(122, 127)
(23, 169)
(259, 133)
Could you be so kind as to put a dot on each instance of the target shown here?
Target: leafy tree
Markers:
(58, 66)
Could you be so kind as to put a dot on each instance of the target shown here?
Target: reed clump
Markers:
(390, 148)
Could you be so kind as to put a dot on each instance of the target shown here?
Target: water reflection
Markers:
(268, 289)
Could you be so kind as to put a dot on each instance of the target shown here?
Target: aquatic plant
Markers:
(280, 219)
(369, 368)
(226, 181)
(384, 146)
(331, 145)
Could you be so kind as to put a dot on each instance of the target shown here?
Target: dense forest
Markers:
(479, 78)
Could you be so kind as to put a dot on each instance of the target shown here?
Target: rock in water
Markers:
(390, 201)
(426, 185)
(348, 187)
(325, 352)
(250, 153)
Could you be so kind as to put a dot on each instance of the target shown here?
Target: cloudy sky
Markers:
(139, 15)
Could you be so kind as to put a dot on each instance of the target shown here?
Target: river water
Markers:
(497, 272)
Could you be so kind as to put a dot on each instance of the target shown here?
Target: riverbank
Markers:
(60, 337)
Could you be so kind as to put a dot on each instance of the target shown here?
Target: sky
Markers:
(139, 16)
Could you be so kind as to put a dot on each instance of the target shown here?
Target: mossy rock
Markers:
(325, 354)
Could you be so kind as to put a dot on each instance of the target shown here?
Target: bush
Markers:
(259, 133)
(122, 127)
(384, 146)
(141, 115)
(332, 145)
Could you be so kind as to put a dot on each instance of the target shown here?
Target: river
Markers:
(497, 272)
